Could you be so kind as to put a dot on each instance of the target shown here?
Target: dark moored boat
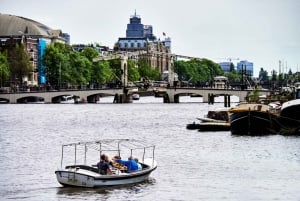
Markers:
(253, 119)
(290, 117)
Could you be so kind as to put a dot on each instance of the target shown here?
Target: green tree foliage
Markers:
(57, 64)
(133, 71)
(117, 72)
(146, 71)
(20, 65)
(4, 70)
(90, 53)
(81, 69)
(233, 76)
(102, 73)
(65, 66)
(197, 70)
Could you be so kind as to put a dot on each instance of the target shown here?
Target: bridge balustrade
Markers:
(170, 94)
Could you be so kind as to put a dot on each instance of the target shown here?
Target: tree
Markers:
(90, 53)
(233, 76)
(4, 70)
(65, 66)
(57, 65)
(81, 69)
(146, 71)
(197, 70)
(133, 72)
(101, 72)
(20, 65)
(117, 72)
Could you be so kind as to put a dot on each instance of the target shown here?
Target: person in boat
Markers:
(130, 164)
(139, 165)
(103, 166)
(118, 165)
(110, 162)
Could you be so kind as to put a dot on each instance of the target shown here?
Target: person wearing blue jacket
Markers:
(130, 164)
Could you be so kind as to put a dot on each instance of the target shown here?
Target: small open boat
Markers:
(135, 96)
(213, 121)
(67, 99)
(78, 173)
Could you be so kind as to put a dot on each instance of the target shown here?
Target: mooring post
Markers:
(225, 100)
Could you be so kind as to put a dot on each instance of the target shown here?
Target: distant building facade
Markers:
(102, 50)
(245, 67)
(226, 66)
(140, 37)
(35, 37)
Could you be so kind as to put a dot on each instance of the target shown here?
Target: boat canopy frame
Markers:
(106, 145)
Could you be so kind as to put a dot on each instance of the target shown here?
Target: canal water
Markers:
(192, 165)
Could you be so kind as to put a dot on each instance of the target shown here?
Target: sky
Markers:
(259, 31)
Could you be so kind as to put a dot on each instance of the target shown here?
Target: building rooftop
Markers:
(11, 25)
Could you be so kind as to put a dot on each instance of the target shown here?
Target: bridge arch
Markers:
(4, 100)
(63, 97)
(94, 98)
(207, 93)
(30, 99)
(178, 95)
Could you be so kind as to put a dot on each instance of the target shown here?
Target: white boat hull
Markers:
(86, 178)
(135, 96)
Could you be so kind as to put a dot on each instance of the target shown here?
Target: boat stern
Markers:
(73, 178)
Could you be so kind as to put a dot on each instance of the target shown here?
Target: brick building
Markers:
(34, 36)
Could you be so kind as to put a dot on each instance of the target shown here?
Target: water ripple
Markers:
(192, 165)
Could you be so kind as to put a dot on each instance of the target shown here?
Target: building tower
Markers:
(140, 37)
(135, 29)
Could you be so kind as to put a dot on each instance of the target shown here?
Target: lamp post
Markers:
(243, 70)
(59, 78)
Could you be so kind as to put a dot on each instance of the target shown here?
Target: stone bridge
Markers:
(90, 96)
(170, 95)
